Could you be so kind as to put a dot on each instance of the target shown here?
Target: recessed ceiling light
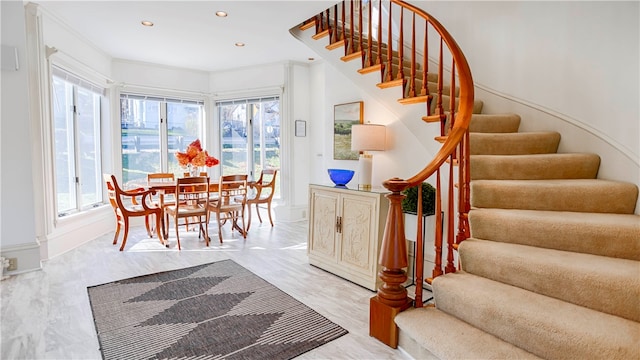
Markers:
(239, 44)
(221, 13)
(147, 23)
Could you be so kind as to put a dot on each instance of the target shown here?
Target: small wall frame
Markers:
(301, 128)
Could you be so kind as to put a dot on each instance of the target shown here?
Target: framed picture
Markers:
(344, 116)
(301, 128)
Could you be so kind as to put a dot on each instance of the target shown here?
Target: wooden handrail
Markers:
(454, 121)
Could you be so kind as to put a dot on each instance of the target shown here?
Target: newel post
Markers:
(392, 296)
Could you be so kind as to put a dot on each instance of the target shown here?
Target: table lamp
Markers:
(366, 137)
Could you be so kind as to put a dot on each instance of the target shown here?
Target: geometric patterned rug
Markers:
(213, 311)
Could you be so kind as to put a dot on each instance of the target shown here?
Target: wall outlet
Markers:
(13, 264)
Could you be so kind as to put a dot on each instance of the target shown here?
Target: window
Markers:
(78, 159)
(148, 141)
(245, 125)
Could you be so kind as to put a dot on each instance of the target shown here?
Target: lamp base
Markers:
(364, 171)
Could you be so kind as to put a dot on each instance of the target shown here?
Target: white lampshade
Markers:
(367, 138)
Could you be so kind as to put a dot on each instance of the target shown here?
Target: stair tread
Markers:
(495, 123)
(607, 196)
(533, 322)
(614, 235)
(614, 288)
(442, 336)
(538, 142)
(535, 166)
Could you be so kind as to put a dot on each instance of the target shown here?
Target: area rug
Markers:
(213, 311)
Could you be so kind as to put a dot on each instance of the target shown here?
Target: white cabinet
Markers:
(345, 232)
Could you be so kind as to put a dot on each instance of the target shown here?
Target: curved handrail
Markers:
(455, 147)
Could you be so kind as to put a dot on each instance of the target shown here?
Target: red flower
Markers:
(195, 156)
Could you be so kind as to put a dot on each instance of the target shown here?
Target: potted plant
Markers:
(410, 202)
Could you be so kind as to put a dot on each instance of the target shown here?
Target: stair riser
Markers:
(513, 144)
(552, 166)
(500, 123)
(611, 235)
(596, 282)
(557, 195)
(547, 327)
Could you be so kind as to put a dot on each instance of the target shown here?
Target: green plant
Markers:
(410, 202)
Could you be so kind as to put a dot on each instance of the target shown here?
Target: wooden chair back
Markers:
(130, 203)
(265, 189)
(231, 201)
(160, 178)
(192, 202)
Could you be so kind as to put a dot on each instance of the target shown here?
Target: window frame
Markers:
(164, 100)
(99, 98)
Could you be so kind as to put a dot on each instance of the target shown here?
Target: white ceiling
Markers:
(188, 34)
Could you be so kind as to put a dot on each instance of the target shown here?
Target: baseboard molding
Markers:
(78, 231)
(27, 255)
(291, 213)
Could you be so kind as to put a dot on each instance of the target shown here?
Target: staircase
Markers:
(550, 267)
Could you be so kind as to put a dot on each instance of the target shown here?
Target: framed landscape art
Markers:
(344, 116)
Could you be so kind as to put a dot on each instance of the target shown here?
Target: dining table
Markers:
(162, 188)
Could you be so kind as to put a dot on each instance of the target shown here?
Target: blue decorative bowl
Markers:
(340, 177)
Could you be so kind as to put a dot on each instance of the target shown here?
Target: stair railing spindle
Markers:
(400, 75)
(333, 30)
(350, 47)
(369, 60)
(389, 72)
(412, 77)
(360, 39)
(344, 22)
(439, 109)
(449, 268)
(418, 264)
(425, 66)
(380, 40)
(437, 267)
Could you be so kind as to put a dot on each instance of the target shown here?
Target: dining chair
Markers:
(265, 189)
(191, 203)
(158, 179)
(131, 203)
(230, 203)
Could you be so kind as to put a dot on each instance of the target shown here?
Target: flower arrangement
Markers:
(195, 156)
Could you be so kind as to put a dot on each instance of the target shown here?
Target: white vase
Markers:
(194, 171)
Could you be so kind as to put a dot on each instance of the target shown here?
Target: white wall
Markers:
(577, 59)
(17, 225)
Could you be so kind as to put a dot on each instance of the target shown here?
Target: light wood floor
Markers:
(46, 315)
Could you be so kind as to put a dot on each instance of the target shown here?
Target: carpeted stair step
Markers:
(604, 196)
(446, 337)
(601, 283)
(494, 123)
(614, 235)
(514, 143)
(532, 167)
(547, 327)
